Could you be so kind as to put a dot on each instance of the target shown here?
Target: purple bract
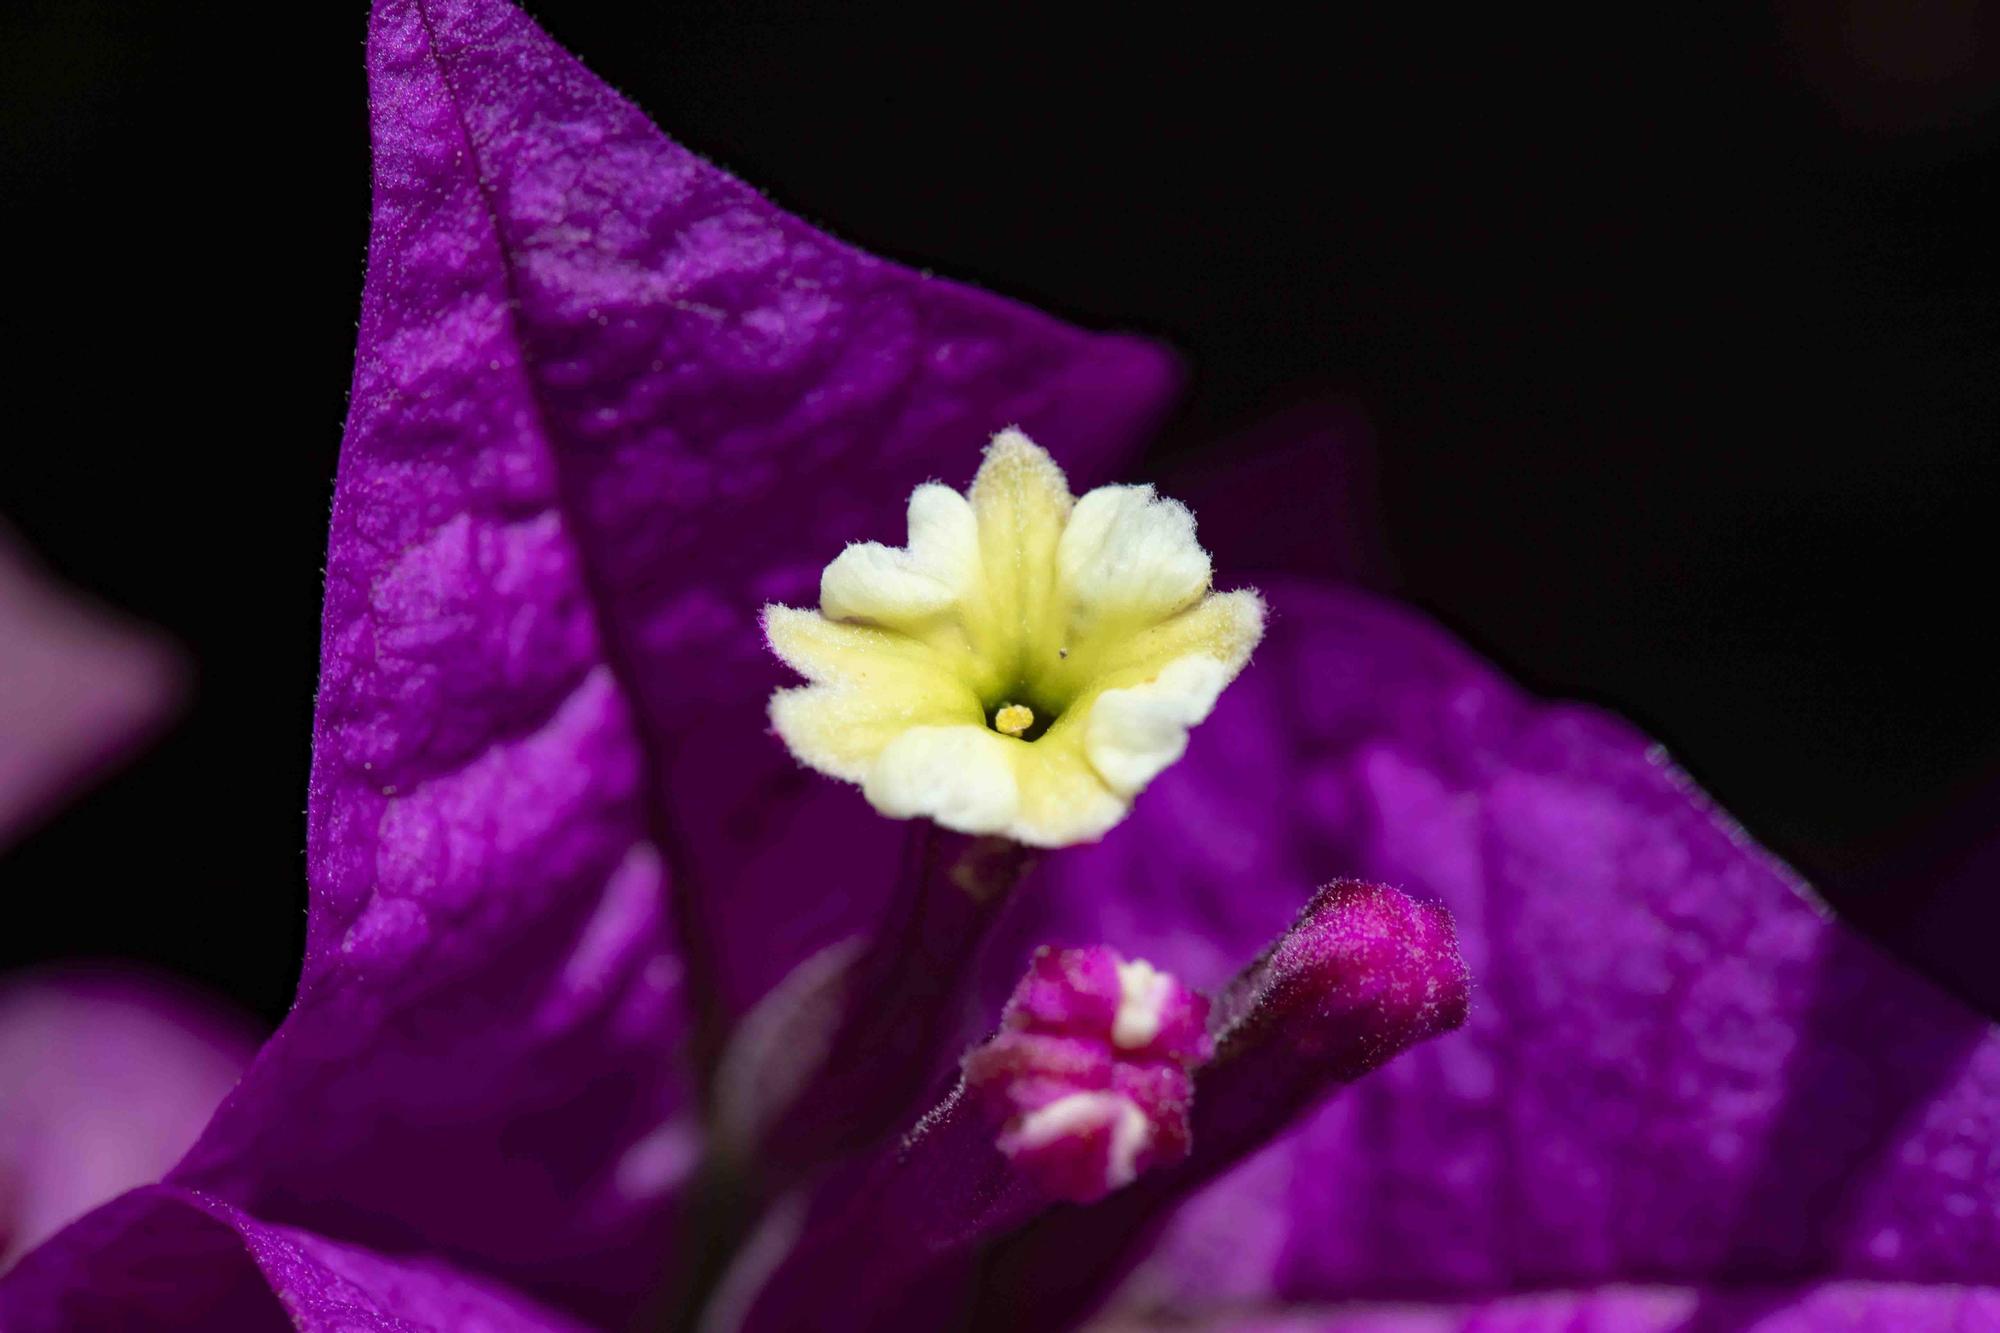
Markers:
(568, 897)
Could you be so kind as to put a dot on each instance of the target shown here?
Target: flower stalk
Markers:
(844, 1054)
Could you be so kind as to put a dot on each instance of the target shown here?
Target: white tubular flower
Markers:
(1025, 665)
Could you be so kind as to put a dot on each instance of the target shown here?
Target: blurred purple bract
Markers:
(79, 690)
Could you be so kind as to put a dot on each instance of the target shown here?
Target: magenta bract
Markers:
(607, 402)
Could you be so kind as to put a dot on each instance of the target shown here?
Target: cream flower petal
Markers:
(903, 586)
(1128, 554)
(962, 777)
(1133, 734)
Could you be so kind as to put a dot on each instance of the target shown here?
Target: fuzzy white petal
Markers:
(1128, 553)
(890, 585)
(1134, 733)
(962, 777)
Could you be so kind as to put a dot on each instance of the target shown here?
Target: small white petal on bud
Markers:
(1143, 991)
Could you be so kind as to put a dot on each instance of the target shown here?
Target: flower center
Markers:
(1019, 720)
(1025, 665)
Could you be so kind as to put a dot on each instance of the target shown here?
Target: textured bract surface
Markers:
(630, 380)
(1025, 665)
(605, 397)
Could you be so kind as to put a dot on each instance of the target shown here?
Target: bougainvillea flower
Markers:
(1025, 666)
(79, 689)
(608, 403)
(109, 1076)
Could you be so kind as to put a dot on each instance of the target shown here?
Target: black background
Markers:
(1677, 335)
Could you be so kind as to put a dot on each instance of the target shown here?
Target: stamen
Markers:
(1013, 719)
